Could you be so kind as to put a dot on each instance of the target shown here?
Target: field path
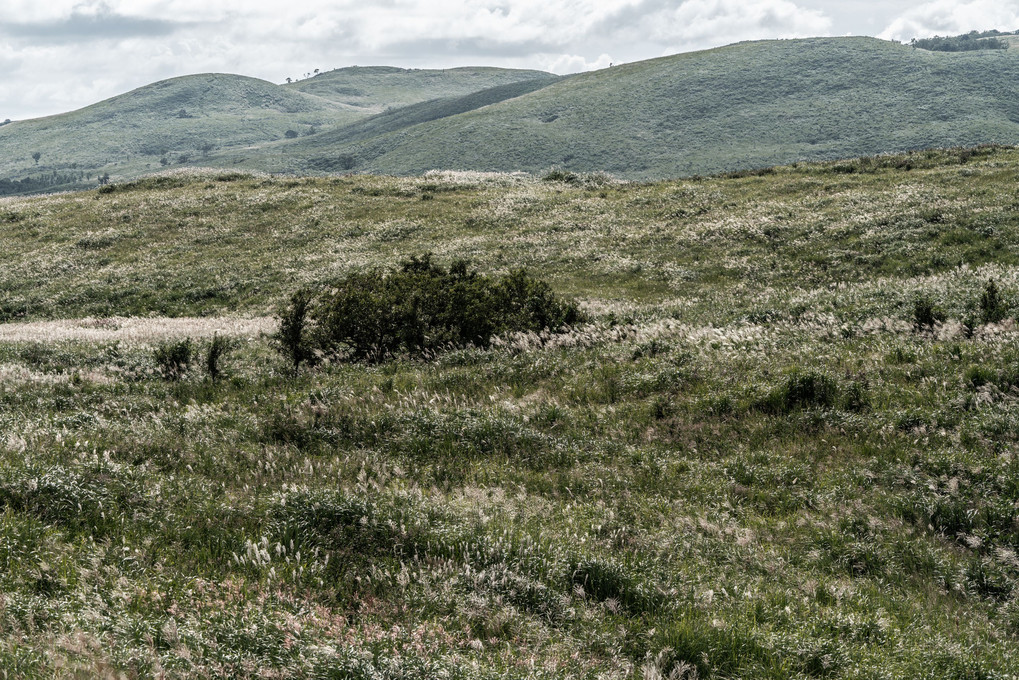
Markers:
(134, 329)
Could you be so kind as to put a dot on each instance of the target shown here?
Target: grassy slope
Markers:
(656, 488)
(375, 89)
(318, 152)
(746, 105)
(128, 135)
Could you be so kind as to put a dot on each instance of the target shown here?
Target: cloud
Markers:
(573, 63)
(464, 47)
(951, 17)
(695, 24)
(89, 24)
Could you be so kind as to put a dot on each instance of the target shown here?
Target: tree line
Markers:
(968, 42)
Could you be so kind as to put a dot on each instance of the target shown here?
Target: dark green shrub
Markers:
(992, 307)
(419, 309)
(564, 176)
(978, 376)
(290, 339)
(809, 389)
(925, 314)
(602, 580)
(173, 358)
(217, 348)
(806, 389)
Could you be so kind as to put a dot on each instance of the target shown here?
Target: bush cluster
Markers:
(418, 309)
(814, 390)
(173, 359)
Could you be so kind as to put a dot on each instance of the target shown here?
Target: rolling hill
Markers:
(375, 89)
(181, 120)
(743, 106)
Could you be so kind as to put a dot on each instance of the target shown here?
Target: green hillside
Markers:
(184, 121)
(375, 89)
(782, 445)
(742, 106)
(176, 121)
(318, 150)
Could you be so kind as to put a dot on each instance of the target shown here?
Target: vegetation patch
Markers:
(420, 309)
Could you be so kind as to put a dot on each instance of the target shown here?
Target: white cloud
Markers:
(695, 24)
(574, 63)
(951, 17)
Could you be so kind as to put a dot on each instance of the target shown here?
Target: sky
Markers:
(61, 55)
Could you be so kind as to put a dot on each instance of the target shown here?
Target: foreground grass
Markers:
(750, 464)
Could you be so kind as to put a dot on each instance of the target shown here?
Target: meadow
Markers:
(783, 444)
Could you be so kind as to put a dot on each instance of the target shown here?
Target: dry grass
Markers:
(135, 330)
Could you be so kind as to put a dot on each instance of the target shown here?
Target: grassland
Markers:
(751, 463)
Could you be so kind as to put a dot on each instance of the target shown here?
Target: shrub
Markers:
(925, 314)
(421, 308)
(290, 338)
(173, 358)
(804, 389)
(217, 348)
(992, 307)
(564, 176)
(809, 389)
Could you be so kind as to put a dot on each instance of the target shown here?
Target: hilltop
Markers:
(375, 89)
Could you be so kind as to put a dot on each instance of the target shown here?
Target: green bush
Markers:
(173, 358)
(217, 348)
(925, 314)
(810, 389)
(564, 176)
(992, 307)
(290, 338)
(419, 309)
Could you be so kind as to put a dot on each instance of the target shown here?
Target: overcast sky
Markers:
(59, 55)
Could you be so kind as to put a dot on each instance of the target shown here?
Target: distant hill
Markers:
(318, 152)
(183, 120)
(967, 42)
(175, 121)
(742, 106)
(375, 89)
(748, 105)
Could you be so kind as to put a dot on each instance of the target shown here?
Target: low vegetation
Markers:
(754, 454)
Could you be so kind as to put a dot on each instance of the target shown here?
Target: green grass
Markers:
(750, 463)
